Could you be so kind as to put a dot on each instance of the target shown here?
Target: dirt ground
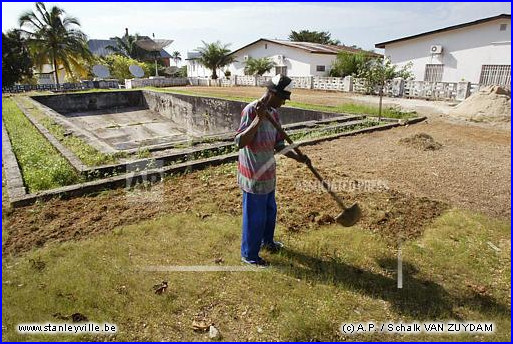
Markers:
(399, 187)
(430, 108)
(333, 98)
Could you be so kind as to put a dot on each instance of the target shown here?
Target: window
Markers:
(281, 70)
(503, 27)
(265, 45)
(495, 75)
(321, 68)
(434, 72)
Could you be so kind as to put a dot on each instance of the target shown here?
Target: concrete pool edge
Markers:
(93, 172)
(74, 161)
(109, 122)
(155, 175)
(13, 178)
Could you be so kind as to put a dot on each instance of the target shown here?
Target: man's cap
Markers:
(281, 85)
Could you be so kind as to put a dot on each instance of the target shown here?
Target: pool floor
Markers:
(131, 127)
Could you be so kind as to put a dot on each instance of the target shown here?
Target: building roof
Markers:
(313, 48)
(99, 47)
(193, 55)
(449, 28)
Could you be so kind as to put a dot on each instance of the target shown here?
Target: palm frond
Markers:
(53, 36)
(70, 21)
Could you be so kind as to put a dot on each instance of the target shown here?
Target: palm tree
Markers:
(176, 56)
(127, 47)
(258, 66)
(214, 55)
(54, 38)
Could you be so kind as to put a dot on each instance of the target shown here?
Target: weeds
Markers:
(304, 135)
(89, 155)
(41, 164)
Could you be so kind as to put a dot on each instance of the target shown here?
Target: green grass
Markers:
(89, 155)
(356, 109)
(41, 164)
(323, 279)
(143, 153)
(323, 133)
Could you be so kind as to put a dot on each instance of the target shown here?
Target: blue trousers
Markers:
(258, 222)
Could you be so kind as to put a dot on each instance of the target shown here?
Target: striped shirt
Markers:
(256, 165)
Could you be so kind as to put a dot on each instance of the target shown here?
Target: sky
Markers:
(189, 23)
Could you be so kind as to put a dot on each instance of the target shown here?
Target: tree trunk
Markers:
(157, 54)
(214, 74)
(56, 73)
(380, 101)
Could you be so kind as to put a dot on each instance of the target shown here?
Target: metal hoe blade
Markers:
(349, 216)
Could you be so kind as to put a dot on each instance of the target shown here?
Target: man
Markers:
(258, 140)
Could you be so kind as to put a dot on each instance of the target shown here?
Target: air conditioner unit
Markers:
(246, 57)
(436, 49)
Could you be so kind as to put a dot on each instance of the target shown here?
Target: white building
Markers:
(477, 52)
(46, 75)
(291, 58)
(196, 69)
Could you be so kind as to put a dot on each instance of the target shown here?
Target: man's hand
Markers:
(247, 135)
(262, 107)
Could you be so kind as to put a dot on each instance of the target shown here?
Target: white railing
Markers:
(328, 83)
(394, 88)
(263, 80)
(359, 86)
(245, 80)
(302, 82)
(225, 82)
(430, 90)
(157, 82)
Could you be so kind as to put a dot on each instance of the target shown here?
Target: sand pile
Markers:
(490, 104)
(421, 141)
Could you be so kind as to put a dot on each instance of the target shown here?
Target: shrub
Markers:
(119, 66)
